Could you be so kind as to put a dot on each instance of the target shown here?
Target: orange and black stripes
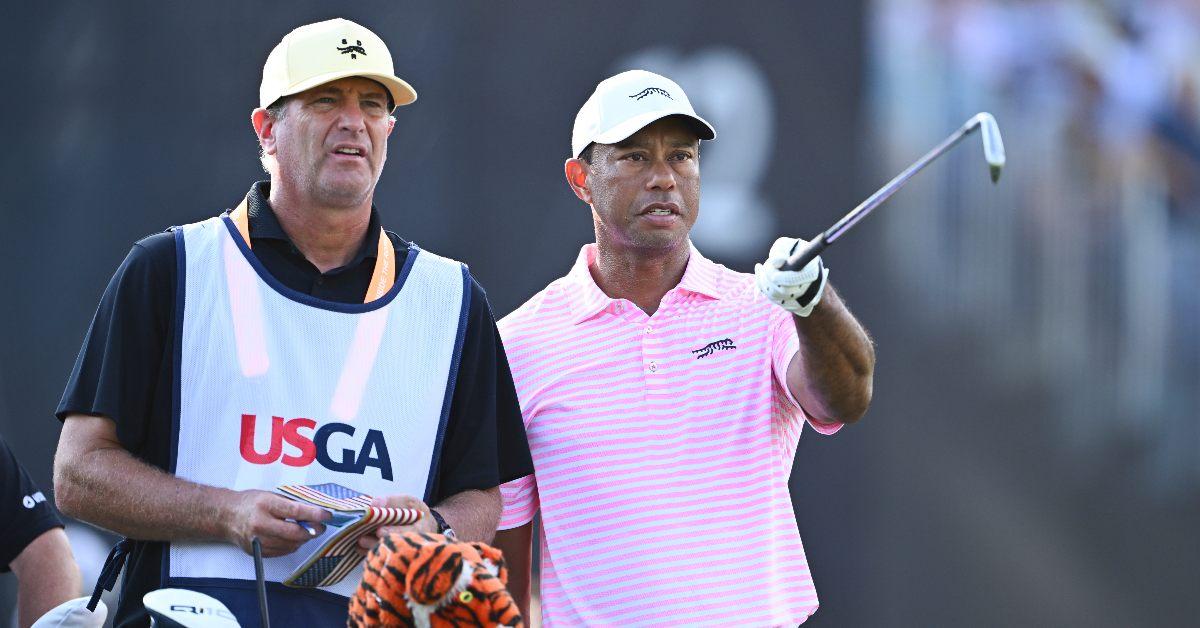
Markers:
(425, 570)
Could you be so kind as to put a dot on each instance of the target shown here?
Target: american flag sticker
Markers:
(338, 557)
(331, 496)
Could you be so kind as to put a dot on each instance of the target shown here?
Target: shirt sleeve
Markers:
(120, 370)
(520, 502)
(25, 512)
(485, 443)
(784, 346)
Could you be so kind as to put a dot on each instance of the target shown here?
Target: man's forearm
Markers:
(472, 514)
(832, 374)
(517, 546)
(110, 488)
(46, 576)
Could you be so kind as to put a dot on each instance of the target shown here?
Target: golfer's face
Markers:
(332, 140)
(646, 189)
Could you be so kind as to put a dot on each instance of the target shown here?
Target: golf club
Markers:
(180, 608)
(993, 152)
(260, 584)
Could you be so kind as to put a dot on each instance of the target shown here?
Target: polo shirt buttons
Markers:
(652, 367)
(649, 329)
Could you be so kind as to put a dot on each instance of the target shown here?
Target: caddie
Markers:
(664, 394)
(290, 340)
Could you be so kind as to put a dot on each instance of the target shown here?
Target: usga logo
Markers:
(316, 445)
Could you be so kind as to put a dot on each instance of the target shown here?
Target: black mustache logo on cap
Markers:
(650, 90)
(354, 50)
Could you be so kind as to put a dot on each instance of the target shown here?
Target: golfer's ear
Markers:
(264, 128)
(576, 170)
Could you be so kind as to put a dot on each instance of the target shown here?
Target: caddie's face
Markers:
(645, 191)
(331, 142)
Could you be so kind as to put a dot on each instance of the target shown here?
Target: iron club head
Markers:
(993, 146)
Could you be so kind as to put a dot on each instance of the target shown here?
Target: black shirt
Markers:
(25, 513)
(125, 370)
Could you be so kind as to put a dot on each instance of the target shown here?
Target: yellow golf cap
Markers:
(315, 54)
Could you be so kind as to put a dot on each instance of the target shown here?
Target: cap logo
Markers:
(352, 50)
(650, 90)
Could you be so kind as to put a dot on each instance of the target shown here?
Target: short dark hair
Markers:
(586, 153)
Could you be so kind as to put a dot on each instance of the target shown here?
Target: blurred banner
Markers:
(1032, 455)
(1060, 310)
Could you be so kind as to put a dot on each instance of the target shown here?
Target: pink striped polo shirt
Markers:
(662, 447)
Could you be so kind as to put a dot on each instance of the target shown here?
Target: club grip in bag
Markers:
(801, 257)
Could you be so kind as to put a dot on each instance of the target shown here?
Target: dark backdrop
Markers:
(124, 120)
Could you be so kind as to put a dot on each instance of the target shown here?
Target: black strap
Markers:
(811, 292)
(112, 568)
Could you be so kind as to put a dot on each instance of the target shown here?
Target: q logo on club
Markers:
(372, 452)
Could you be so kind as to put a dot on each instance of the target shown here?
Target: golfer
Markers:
(664, 394)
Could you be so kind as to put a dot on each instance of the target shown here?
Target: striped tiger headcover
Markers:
(422, 580)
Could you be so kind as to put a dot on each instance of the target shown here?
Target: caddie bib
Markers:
(278, 387)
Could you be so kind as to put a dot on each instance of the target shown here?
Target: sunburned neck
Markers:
(638, 277)
(329, 237)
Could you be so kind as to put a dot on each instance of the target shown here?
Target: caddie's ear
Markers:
(264, 128)
(577, 173)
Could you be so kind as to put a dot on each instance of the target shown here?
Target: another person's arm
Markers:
(515, 538)
(46, 576)
(98, 481)
(517, 546)
(32, 544)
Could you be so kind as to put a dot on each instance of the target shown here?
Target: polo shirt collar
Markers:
(701, 274)
(264, 225)
(699, 277)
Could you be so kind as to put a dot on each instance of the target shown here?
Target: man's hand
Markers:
(266, 516)
(797, 291)
(425, 524)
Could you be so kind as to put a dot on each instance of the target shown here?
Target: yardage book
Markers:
(353, 517)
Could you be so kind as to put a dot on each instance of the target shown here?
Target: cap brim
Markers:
(402, 93)
(704, 130)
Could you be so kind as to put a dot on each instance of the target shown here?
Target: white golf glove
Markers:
(797, 291)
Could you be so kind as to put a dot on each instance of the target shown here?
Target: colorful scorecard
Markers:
(338, 554)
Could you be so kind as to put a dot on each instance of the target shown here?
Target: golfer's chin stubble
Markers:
(661, 238)
(342, 187)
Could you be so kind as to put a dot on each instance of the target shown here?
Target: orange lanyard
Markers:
(385, 260)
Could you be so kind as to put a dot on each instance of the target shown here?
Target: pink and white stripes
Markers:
(662, 447)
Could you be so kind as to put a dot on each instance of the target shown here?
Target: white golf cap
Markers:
(315, 54)
(623, 104)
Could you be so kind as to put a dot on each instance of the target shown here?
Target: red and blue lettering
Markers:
(312, 444)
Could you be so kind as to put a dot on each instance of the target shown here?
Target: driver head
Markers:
(180, 608)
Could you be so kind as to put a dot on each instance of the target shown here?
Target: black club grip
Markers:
(801, 257)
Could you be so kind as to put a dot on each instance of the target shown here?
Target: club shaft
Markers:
(801, 257)
(261, 584)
